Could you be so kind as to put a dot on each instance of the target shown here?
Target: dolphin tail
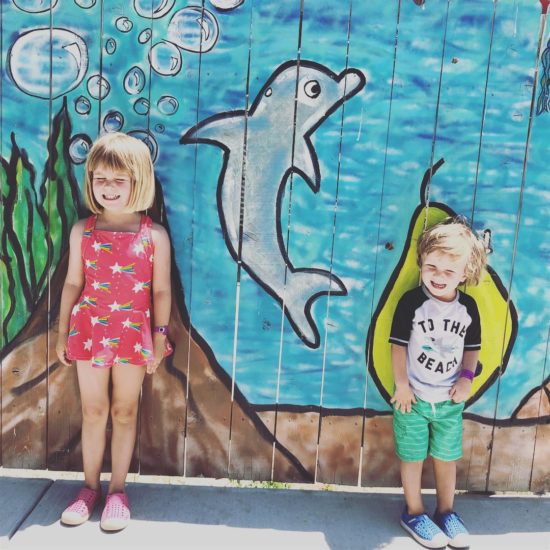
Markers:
(303, 287)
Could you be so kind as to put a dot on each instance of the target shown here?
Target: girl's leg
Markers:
(94, 395)
(411, 476)
(127, 381)
(445, 483)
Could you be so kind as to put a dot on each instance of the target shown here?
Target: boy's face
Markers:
(441, 274)
(111, 188)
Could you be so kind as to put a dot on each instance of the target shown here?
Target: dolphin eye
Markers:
(312, 88)
(268, 92)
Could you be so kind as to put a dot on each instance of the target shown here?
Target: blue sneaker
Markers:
(423, 530)
(451, 524)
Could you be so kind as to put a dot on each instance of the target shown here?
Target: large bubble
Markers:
(165, 58)
(193, 29)
(86, 4)
(35, 6)
(167, 105)
(110, 46)
(134, 81)
(82, 105)
(141, 106)
(123, 24)
(113, 121)
(98, 87)
(144, 36)
(148, 139)
(79, 148)
(153, 9)
(226, 5)
(68, 67)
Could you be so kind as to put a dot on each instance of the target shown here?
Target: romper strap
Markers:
(146, 226)
(87, 235)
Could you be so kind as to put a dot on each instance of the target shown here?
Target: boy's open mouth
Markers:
(438, 286)
(111, 197)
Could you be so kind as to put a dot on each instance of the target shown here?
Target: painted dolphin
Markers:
(299, 96)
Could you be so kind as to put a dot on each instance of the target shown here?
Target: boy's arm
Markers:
(403, 396)
(463, 386)
(162, 292)
(74, 281)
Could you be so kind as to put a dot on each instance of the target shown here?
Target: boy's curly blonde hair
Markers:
(453, 236)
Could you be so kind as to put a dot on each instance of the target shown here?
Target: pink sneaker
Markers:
(81, 508)
(116, 514)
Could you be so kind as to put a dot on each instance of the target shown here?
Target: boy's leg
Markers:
(127, 381)
(445, 484)
(411, 475)
(94, 396)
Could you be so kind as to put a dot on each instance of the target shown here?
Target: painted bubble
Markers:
(34, 6)
(141, 106)
(123, 24)
(226, 5)
(82, 105)
(153, 9)
(113, 121)
(165, 58)
(193, 29)
(110, 46)
(148, 139)
(85, 4)
(69, 62)
(134, 81)
(79, 148)
(98, 87)
(159, 128)
(144, 36)
(167, 105)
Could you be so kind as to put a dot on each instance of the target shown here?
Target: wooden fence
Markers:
(299, 148)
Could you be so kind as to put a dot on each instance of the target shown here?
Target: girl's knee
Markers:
(124, 413)
(95, 412)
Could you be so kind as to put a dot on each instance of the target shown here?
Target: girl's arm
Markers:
(74, 282)
(403, 397)
(162, 292)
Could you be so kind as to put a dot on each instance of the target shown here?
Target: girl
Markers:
(117, 258)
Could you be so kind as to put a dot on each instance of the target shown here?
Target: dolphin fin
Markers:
(304, 286)
(226, 129)
(306, 164)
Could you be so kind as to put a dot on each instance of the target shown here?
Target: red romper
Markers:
(111, 322)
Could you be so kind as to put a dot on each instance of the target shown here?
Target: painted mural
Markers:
(300, 146)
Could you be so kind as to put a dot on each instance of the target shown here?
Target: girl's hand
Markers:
(61, 350)
(403, 398)
(158, 353)
(461, 390)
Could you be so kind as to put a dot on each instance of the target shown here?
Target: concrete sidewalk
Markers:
(204, 517)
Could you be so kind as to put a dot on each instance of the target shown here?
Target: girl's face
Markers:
(441, 274)
(111, 188)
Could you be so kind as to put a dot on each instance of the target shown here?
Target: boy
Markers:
(436, 338)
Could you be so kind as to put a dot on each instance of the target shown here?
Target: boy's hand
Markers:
(403, 398)
(461, 390)
(61, 350)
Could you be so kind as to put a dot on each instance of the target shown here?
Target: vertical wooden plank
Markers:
(74, 124)
(506, 473)
(26, 223)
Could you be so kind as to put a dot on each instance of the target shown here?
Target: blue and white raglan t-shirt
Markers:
(436, 334)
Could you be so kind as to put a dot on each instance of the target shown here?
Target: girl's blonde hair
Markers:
(118, 151)
(454, 237)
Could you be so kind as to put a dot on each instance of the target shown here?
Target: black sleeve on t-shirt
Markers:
(472, 339)
(404, 314)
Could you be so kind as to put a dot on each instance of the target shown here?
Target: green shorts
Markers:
(434, 428)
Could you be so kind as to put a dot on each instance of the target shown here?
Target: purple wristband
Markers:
(465, 373)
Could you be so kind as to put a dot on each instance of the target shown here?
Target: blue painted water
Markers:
(368, 191)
